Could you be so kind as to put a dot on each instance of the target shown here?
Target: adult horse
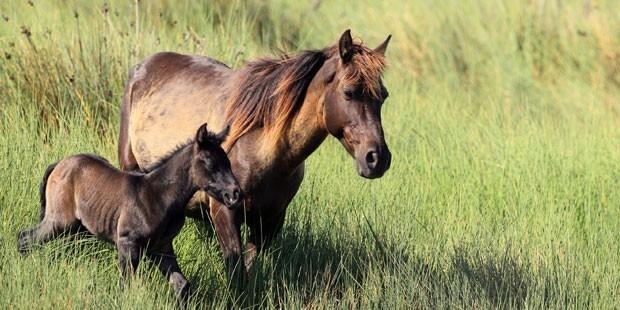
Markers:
(280, 110)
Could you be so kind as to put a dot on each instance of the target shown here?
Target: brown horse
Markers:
(140, 213)
(280, 111)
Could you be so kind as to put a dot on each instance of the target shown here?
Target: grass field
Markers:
(503, 120)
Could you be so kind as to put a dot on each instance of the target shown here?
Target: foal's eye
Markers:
(348, 94)
(208, 164)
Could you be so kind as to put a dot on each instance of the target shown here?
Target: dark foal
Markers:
(140, 213)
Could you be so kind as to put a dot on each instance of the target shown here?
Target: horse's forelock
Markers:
(365, 69)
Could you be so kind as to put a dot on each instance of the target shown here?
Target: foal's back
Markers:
(85, 189)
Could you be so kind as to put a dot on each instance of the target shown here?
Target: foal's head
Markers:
(354, 96)
(211, 169)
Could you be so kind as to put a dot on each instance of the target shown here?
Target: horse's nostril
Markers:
(372, 158)
(236, 195)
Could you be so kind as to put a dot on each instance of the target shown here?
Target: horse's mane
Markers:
(268, 92)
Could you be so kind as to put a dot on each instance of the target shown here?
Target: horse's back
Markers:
(169, 96)
(161, 69)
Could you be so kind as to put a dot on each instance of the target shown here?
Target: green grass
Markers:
(502, 120)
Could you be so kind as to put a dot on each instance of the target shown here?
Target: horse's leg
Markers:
(228, 230)
(167, 263)
(263, 230)
(266, 222)
(129, 254)
(198, 207)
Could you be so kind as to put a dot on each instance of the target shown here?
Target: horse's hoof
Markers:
(185, 292)
(23, 242)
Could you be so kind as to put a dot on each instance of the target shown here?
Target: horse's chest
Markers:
(275, 192)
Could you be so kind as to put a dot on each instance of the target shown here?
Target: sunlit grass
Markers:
(502, 120)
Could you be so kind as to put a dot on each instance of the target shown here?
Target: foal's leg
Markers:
(58, 218)
(44, 232)
(167, 263)
(129, 254)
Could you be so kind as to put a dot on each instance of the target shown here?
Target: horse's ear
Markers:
(345, 46)
(383, 46)
(221, 136)
(202, 135)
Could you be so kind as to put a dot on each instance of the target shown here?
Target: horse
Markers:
(139, 213)
(280, 110)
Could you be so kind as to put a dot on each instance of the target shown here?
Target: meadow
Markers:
(503, 121)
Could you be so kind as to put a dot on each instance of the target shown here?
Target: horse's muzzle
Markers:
(374, 162)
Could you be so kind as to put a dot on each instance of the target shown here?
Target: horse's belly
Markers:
(162, 121)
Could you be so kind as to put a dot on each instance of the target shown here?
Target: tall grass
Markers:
(502, 118)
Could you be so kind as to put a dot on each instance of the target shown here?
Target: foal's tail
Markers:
(43, 187)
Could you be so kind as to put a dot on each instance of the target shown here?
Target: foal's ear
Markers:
(345, 46)
(383, 46)
(202, 135)
(221, 136)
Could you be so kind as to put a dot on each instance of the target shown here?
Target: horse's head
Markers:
(211, 170)
(354, 95)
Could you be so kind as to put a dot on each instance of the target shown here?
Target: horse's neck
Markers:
(306, 132)
(172, 182)
(304, 135)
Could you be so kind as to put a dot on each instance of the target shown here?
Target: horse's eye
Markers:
(384, 93)
(348, 94)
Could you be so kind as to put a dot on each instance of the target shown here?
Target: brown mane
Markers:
(365, 69)
(270, 91)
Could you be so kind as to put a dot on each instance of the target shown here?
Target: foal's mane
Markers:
(269, 92)
(210, 138)
(164, 159)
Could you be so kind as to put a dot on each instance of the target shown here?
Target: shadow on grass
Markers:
(305, 268)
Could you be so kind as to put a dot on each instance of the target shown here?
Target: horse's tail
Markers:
(43, 188)
(126, 158)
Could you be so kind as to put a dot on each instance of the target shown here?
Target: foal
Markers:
(140, 213)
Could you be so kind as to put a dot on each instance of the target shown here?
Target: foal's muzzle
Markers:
(232, 197)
